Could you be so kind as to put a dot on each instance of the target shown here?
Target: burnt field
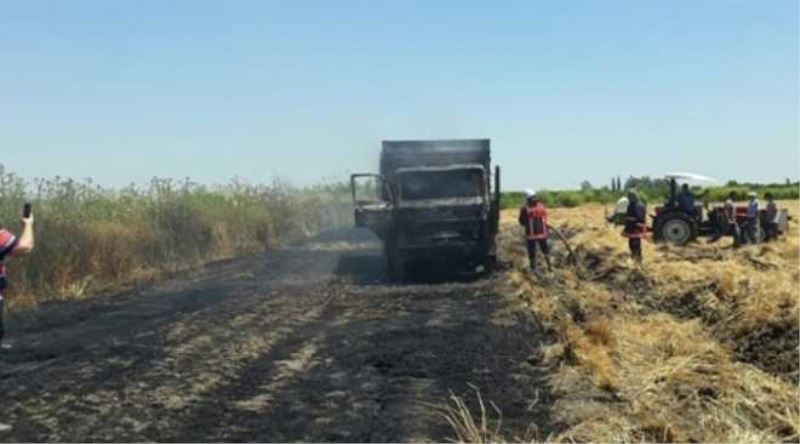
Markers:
(303, 343)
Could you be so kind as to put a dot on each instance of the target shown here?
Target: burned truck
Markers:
(433, 201)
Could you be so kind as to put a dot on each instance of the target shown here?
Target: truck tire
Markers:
(675, 227)
(395, 266)
(490, 263)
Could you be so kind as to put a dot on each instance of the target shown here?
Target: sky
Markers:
(304, 91)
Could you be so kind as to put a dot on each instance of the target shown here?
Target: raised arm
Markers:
(25, 243)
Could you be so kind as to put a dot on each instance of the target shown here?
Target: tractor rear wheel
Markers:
(675, 227)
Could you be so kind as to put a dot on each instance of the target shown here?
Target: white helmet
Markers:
(529, 193)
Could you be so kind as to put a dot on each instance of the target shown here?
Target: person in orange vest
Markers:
(635, 225)
(533, 216)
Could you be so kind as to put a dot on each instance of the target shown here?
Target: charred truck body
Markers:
(432, 201)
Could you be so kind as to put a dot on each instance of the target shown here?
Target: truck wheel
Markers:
(675, 227)
(491, 262)
(396, 267)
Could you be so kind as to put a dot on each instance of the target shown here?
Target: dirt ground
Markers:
(306, 343)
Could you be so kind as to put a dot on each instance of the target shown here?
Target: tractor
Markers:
(679, 226)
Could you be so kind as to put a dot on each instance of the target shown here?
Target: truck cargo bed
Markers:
(418, 153)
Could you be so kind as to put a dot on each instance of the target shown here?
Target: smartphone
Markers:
(26, 210)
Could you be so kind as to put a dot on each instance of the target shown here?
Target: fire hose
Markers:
(572, 256)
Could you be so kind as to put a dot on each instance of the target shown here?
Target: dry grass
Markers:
(485, 429)
(90, 238)
(696, 344)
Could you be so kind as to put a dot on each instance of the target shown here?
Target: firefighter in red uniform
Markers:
(533, 216)
(635, 225)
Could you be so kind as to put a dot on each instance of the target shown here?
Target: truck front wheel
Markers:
(395, 266)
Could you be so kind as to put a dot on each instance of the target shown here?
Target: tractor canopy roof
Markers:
(695, 179)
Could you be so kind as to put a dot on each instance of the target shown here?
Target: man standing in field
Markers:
(730, 219)
(751, 227)
(771, 218)
(11, 245)
(635, 225)
(533, 216)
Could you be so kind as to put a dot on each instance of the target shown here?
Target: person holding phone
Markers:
(10, 245)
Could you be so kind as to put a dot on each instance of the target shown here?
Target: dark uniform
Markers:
(685, 201)
(533, 216)
(635, 227)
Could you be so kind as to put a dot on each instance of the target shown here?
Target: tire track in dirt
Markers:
(304, 343)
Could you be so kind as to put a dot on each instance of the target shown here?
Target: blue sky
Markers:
(121, 91)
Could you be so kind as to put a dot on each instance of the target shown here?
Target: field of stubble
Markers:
(697, 344)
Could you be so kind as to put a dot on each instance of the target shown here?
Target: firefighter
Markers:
(533, 216)
(635, 225)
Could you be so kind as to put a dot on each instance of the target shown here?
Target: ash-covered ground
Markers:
(306, 343)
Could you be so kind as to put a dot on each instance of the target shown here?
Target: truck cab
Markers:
(433, 201)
